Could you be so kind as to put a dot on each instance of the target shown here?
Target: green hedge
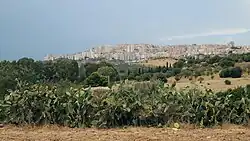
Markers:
(125, 106)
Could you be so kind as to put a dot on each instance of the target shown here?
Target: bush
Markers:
(227, 82)
(225, 73)
(235, 72)
(146, 76)
(173, 85)
(160, 76)
(190, 78)
(226, 63)
(177, 78)
(125, 106)
(108, 72)
(96, 80)
(200, 79)
(212, 77)
(197, 74)
(176, 71)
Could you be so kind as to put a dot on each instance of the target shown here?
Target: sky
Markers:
(34, 28)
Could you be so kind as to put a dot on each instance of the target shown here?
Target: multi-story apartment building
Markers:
(135, 52)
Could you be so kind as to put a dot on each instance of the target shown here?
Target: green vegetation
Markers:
(201, 79)
(227, 82)
(208, 65)
(54, 92)
(235, 72)
(153, 105)
(95, 80)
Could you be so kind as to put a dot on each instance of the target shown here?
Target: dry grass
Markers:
(242, 65)
(159, 62)
(54, 133)
(216, 84)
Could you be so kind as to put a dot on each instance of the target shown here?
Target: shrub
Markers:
(236, 72)
(200, 79)
(146, 76)
(96, 80)
(126, 106)
(108, 72)
(176, 71)
(160, 76)
(173, 85)
(227, 82)
(226, 63)
(190, 78)
(197, 74)
(212, 77)
(225, 73)
(177, 78)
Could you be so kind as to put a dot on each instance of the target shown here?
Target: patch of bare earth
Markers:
(54, 133)
(217, 84)
(159, 62)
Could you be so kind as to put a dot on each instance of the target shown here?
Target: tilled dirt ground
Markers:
(54, 133)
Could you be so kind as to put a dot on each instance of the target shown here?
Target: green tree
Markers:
(49, 72)
(176, 71)
(214, 59)
(82, 73)
(146, 76)
(167, 65)
(95, 80)
(186, 73)
(179, 64)
(7, 82)
(226, 63)
(160, 76)
(109, 72)
(197, 73)
(67, 69)
(236, 72)
(225, 73)
(90, 68)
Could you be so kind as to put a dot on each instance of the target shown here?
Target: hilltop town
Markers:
(137, 52)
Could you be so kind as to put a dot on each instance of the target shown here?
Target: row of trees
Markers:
(104, 74)
(234, 72)
(223, 61)
(145, 73)
(31, 71)
(88, 74)
(208, 65)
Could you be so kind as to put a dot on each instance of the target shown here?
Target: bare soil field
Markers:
(159, 62)
(54, 133)
(216, 84)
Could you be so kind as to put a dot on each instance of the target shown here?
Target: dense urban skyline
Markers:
(36, 28)
(139, 52)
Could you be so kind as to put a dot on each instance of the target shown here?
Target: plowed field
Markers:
(54, 133)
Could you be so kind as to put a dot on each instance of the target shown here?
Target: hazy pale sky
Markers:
(34, 28)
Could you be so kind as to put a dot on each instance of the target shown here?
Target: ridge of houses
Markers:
(137, 52)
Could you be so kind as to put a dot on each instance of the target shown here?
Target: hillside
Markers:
(217, 84)
(159, 62)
